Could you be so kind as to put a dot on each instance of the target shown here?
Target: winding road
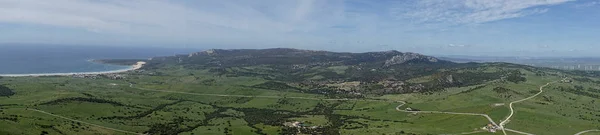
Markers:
(504, 122)
(512, 111)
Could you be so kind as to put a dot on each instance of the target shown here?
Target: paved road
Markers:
(113, 129)
(583, 132)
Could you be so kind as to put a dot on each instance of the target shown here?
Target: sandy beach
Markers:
(137, 66)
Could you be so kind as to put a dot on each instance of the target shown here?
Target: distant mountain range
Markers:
(567, 63)
(287, 56)
(465, 58)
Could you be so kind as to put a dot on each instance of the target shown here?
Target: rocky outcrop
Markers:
(392, 84)
(450, 79)
(207, 52)
(406, 57)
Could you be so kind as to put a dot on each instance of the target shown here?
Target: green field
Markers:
(175, 99)
(141, 111)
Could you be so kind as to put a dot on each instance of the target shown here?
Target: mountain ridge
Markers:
(391, 58)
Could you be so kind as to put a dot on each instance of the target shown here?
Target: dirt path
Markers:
(512, 111)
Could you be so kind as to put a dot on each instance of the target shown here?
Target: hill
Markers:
(291, 91)
(368, 73)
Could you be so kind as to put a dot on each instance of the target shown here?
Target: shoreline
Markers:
(137, 66)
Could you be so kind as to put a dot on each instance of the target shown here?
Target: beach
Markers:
(137, 66)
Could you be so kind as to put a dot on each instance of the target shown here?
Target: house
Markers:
(297, 124)
(491, 128)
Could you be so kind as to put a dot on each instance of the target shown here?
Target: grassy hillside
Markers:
(246, 92)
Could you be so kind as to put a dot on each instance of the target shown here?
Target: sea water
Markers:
(42, 59)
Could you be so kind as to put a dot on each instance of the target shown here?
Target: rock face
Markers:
(207, 52)
(450, 79)
(405, 57)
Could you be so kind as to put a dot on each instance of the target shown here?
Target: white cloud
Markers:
(266, 16)
(470, 11)
(458, 45)
(125, 16)
(294, 22)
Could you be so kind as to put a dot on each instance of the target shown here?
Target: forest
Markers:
(5, 91)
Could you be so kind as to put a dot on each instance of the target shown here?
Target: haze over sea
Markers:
(41, 59)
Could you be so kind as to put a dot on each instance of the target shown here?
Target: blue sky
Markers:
(437, 27)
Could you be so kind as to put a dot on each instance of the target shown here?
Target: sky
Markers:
(435, 27)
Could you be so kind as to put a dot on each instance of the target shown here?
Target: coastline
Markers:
(137, 66)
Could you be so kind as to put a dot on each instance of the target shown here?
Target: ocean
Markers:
(42, 59)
